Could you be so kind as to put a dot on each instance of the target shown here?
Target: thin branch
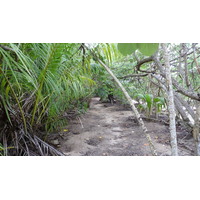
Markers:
(185, 92)
(133, 75)
(140, 63)
(179, 88)
(186, 54)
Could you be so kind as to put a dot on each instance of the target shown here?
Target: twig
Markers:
(80, 122)
(133, 75)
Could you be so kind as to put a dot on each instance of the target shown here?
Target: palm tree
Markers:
(39, 82)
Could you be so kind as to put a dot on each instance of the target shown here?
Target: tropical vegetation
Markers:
(43, 85)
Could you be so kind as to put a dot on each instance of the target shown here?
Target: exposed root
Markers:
(25, 144)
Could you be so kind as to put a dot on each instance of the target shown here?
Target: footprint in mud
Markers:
(94, 141)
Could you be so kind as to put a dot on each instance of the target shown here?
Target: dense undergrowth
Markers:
(39, 84)
(43, 85)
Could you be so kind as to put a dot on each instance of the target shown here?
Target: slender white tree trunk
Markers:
(171, 106)
(196, 129)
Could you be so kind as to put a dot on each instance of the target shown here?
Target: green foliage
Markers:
(107, 52)
(148, 102)
(127, 48)
(41, 82)
(159, 103)
(106, 87)
(147, 49)
(104, 84)
(1, 150)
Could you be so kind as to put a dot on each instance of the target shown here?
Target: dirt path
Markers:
(110, 130)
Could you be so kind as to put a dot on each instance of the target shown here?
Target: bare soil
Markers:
(111, 130)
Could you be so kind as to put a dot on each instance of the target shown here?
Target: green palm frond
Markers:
(52, 54)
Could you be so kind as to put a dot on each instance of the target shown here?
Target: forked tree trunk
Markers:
(134, 109)
(171, 106)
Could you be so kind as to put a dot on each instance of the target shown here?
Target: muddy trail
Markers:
(111, 130)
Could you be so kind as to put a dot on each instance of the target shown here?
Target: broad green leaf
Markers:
(127, 48)
(148, 49)
(140, 96)
(159, 99)
(148, 98)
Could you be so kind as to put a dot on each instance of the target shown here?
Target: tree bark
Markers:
(179, 107)
(186, 105)
(177, 100)
(196, 129)
(171, 106)
(184, 55)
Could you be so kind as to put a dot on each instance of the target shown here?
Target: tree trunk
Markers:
(186, 105)
(196, 129)
(171, 106)
(179, 107)
(184, 48)
(177, 101)
(134, 109)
